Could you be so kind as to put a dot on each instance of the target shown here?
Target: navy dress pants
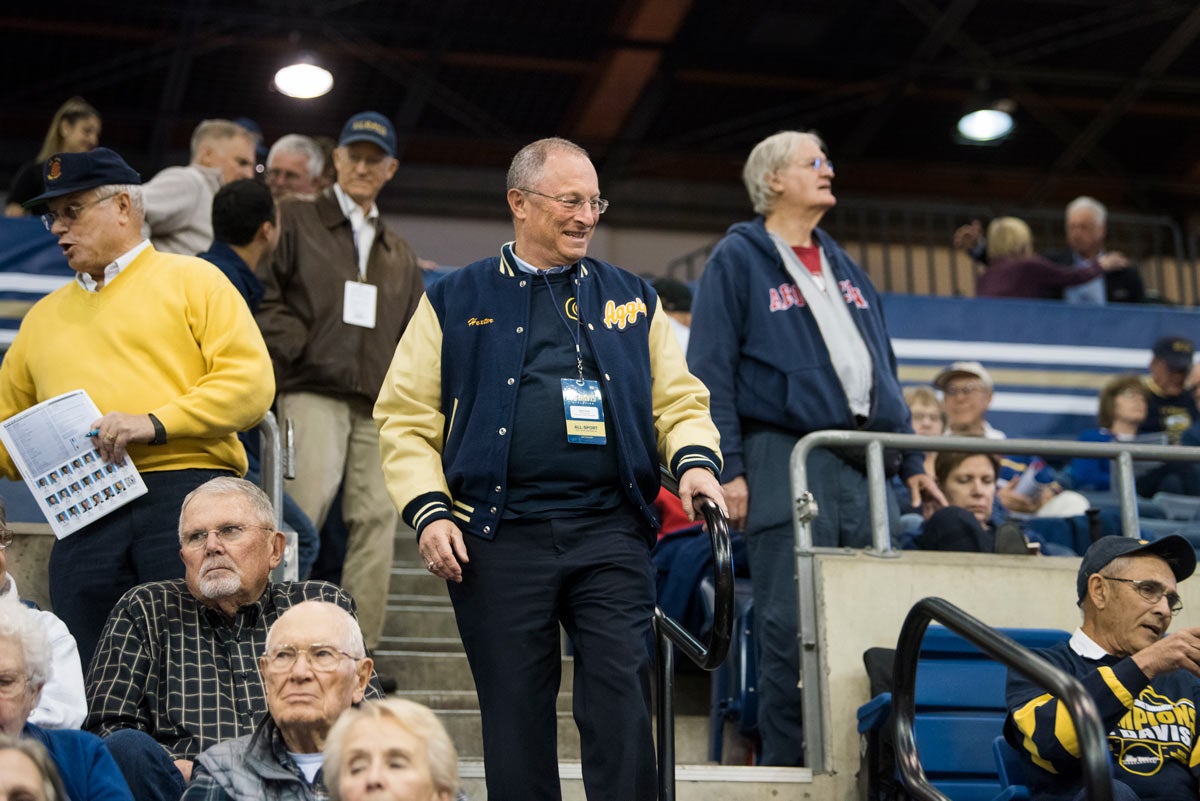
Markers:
(592, 574)
(91, 569)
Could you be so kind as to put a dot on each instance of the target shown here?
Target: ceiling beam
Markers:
(644, 28)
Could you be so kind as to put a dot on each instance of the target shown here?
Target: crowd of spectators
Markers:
(299, 298)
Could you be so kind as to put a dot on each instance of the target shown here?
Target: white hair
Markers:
(1091, 204)
(348, 628)
(769, 157)
(20, 624)
(305, 146)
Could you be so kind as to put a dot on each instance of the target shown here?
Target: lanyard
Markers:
(575, 335)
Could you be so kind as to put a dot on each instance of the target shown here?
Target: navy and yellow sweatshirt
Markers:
(1151, 725)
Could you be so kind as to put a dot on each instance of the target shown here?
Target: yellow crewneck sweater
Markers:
(169, 335)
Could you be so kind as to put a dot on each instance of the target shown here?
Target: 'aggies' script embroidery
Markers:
(785, 296)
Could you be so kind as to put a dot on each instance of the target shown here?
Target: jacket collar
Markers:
(329, 212)
(508, 263)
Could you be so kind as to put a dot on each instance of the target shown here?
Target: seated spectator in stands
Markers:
(1123, 404)
(27, 773)
(1015, 271)
(928, 418)
(967, 389)
(61, 704)
(75, 128)
(87, 769)
(1086, 229)
(175, 671)
(179, 199)
(395, 749)
(314, 668)
(1143, 683)
(294, 166)
(968, 480)
(1172, 408)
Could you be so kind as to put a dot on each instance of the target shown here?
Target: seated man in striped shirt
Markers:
(1144, 683)
(176, 668)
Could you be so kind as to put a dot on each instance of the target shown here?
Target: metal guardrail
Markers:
(1093, 740)
(816, 707)
(669, 633)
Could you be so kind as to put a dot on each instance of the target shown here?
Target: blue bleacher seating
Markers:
(960, 710)
(1011, 772)
(1178, 507)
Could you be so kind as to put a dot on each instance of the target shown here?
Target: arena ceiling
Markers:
(668, 95)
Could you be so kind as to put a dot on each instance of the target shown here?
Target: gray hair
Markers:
(526, 167)
(136, 201)
(769, 157)
(305, 146)
(21, 624)
(418, 720)
(52, 786)
(228, 485)
(1091, 204)
(216, 129)
(348, 628)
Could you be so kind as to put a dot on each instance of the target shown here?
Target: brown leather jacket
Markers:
(301, 313)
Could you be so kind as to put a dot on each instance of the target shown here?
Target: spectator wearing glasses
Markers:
(967, 394)
(1123, 406)
(523, 422)
(1143, 682)
(339, 292)
(62, 704)
(85, 765)
(314, 668)
(168, 351)
(176, 671)
(789, 336)
(294, 166)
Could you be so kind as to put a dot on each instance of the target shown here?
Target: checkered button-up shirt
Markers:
(184, 673)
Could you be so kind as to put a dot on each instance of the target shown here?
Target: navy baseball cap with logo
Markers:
(66, 173)
(369, 126)
(1176, 352)
(1174, 549)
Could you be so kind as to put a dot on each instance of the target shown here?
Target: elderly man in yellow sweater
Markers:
(169, 352)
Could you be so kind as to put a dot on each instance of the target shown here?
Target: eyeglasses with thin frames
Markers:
(6, 537)
(322, 658)
(597, 204)
(70, 214)
(1153, 592)
(818, 162)
(955, 392)
(228, 535)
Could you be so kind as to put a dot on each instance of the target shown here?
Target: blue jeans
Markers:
(844, 520)
(91, 569)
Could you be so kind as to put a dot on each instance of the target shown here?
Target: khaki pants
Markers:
(336, 438)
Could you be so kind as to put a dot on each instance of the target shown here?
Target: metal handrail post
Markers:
(271, 458)
(1122, 476)
(666, 709)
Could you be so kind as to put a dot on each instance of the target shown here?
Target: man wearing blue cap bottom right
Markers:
(1144, 683)
(337, 294)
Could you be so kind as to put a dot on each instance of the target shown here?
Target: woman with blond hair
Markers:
(390, 750)
(75, 128)
(1015, 271)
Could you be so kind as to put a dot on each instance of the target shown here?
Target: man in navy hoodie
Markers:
(788, 334)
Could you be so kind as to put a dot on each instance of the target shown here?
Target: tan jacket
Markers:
(312, 349)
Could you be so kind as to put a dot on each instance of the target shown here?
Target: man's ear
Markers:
(518, 204)
(363, 670)
(264, 231)
(278, 545)
(1097, 591)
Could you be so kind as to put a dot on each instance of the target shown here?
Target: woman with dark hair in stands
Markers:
(968, 480)
(75, 128)
(1015, 271)
(1124, 401)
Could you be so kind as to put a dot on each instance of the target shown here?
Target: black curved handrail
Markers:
(669, 633)
(1082, 709)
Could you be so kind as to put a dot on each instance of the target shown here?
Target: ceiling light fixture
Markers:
(305, 79)
(986, 119)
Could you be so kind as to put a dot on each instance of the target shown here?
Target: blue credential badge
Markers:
(584, 410)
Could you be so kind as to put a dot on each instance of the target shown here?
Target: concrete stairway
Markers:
(421, 649)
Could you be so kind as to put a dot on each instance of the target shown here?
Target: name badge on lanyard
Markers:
(584, 410)
(358, 306)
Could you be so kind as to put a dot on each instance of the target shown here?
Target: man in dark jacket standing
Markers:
(338, 294)
(788, 334)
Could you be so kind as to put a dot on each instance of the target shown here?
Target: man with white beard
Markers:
(176, 668)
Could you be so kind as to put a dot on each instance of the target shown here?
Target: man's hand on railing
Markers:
(926, 495)
(443, 550)
(700, 481)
